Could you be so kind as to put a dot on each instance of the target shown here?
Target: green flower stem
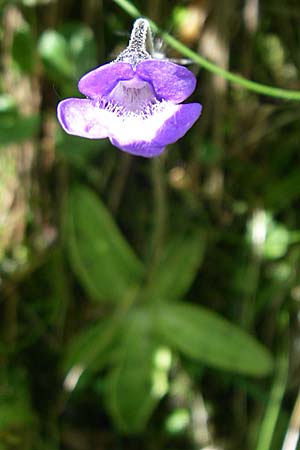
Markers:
(274, 404)
(160, 212)
(237, 79)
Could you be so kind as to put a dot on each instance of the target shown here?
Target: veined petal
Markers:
(178, 124)
(170, 81)
(149, 136)
(80, 118)
(139, 148)
(145, 134)
(102, 80)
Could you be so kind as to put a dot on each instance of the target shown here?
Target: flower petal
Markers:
(139, 134)
(170, 81)
(80, 117)
(178, 124)
(139, 148)
(149, 136)
(102, 80)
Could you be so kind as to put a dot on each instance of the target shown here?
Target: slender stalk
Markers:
(119, 183)
(274, 404)
(237, 79)
(160, 211)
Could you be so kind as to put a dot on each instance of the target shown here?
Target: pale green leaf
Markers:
(100, 256)
(203, 335)
(55, 53)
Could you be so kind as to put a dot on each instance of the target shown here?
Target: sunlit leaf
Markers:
(277, 241)
(7, 105)
(56, 55)
(203, 335)
(100, 256)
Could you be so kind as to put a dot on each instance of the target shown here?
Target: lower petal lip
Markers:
(172, 129)
(146, 134)
(179, 123)
(77, 117)
(139, 148)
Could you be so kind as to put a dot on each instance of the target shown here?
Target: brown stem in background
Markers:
(251, 10)
(119, 182)
(215, 44)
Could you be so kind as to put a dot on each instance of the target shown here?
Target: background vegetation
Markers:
(150, 304)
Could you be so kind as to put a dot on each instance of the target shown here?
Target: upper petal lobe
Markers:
(170, 81)
(102, 80)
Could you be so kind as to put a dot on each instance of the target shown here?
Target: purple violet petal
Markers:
(139, 148)
(144, 133)
(148, 137)
(170, 81)
(102, 80)
(136, 132)
(81, 118)
(178, 124)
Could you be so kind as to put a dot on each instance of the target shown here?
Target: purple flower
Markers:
(134, 101)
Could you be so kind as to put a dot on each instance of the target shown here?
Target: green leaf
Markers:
(100, 256)
(23, 49)
(82, 45)
(203, 335)
(277, 241)
(8, 106)
(56, 56)
(178, 267)
(68, 54)
(14, 129)
(131, 394)
(90, 346)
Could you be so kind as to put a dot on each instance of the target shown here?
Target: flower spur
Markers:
(134, 101)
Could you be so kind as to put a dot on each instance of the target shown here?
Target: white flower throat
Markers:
(132, 97)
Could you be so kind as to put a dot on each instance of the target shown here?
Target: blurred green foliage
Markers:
(149, 304)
